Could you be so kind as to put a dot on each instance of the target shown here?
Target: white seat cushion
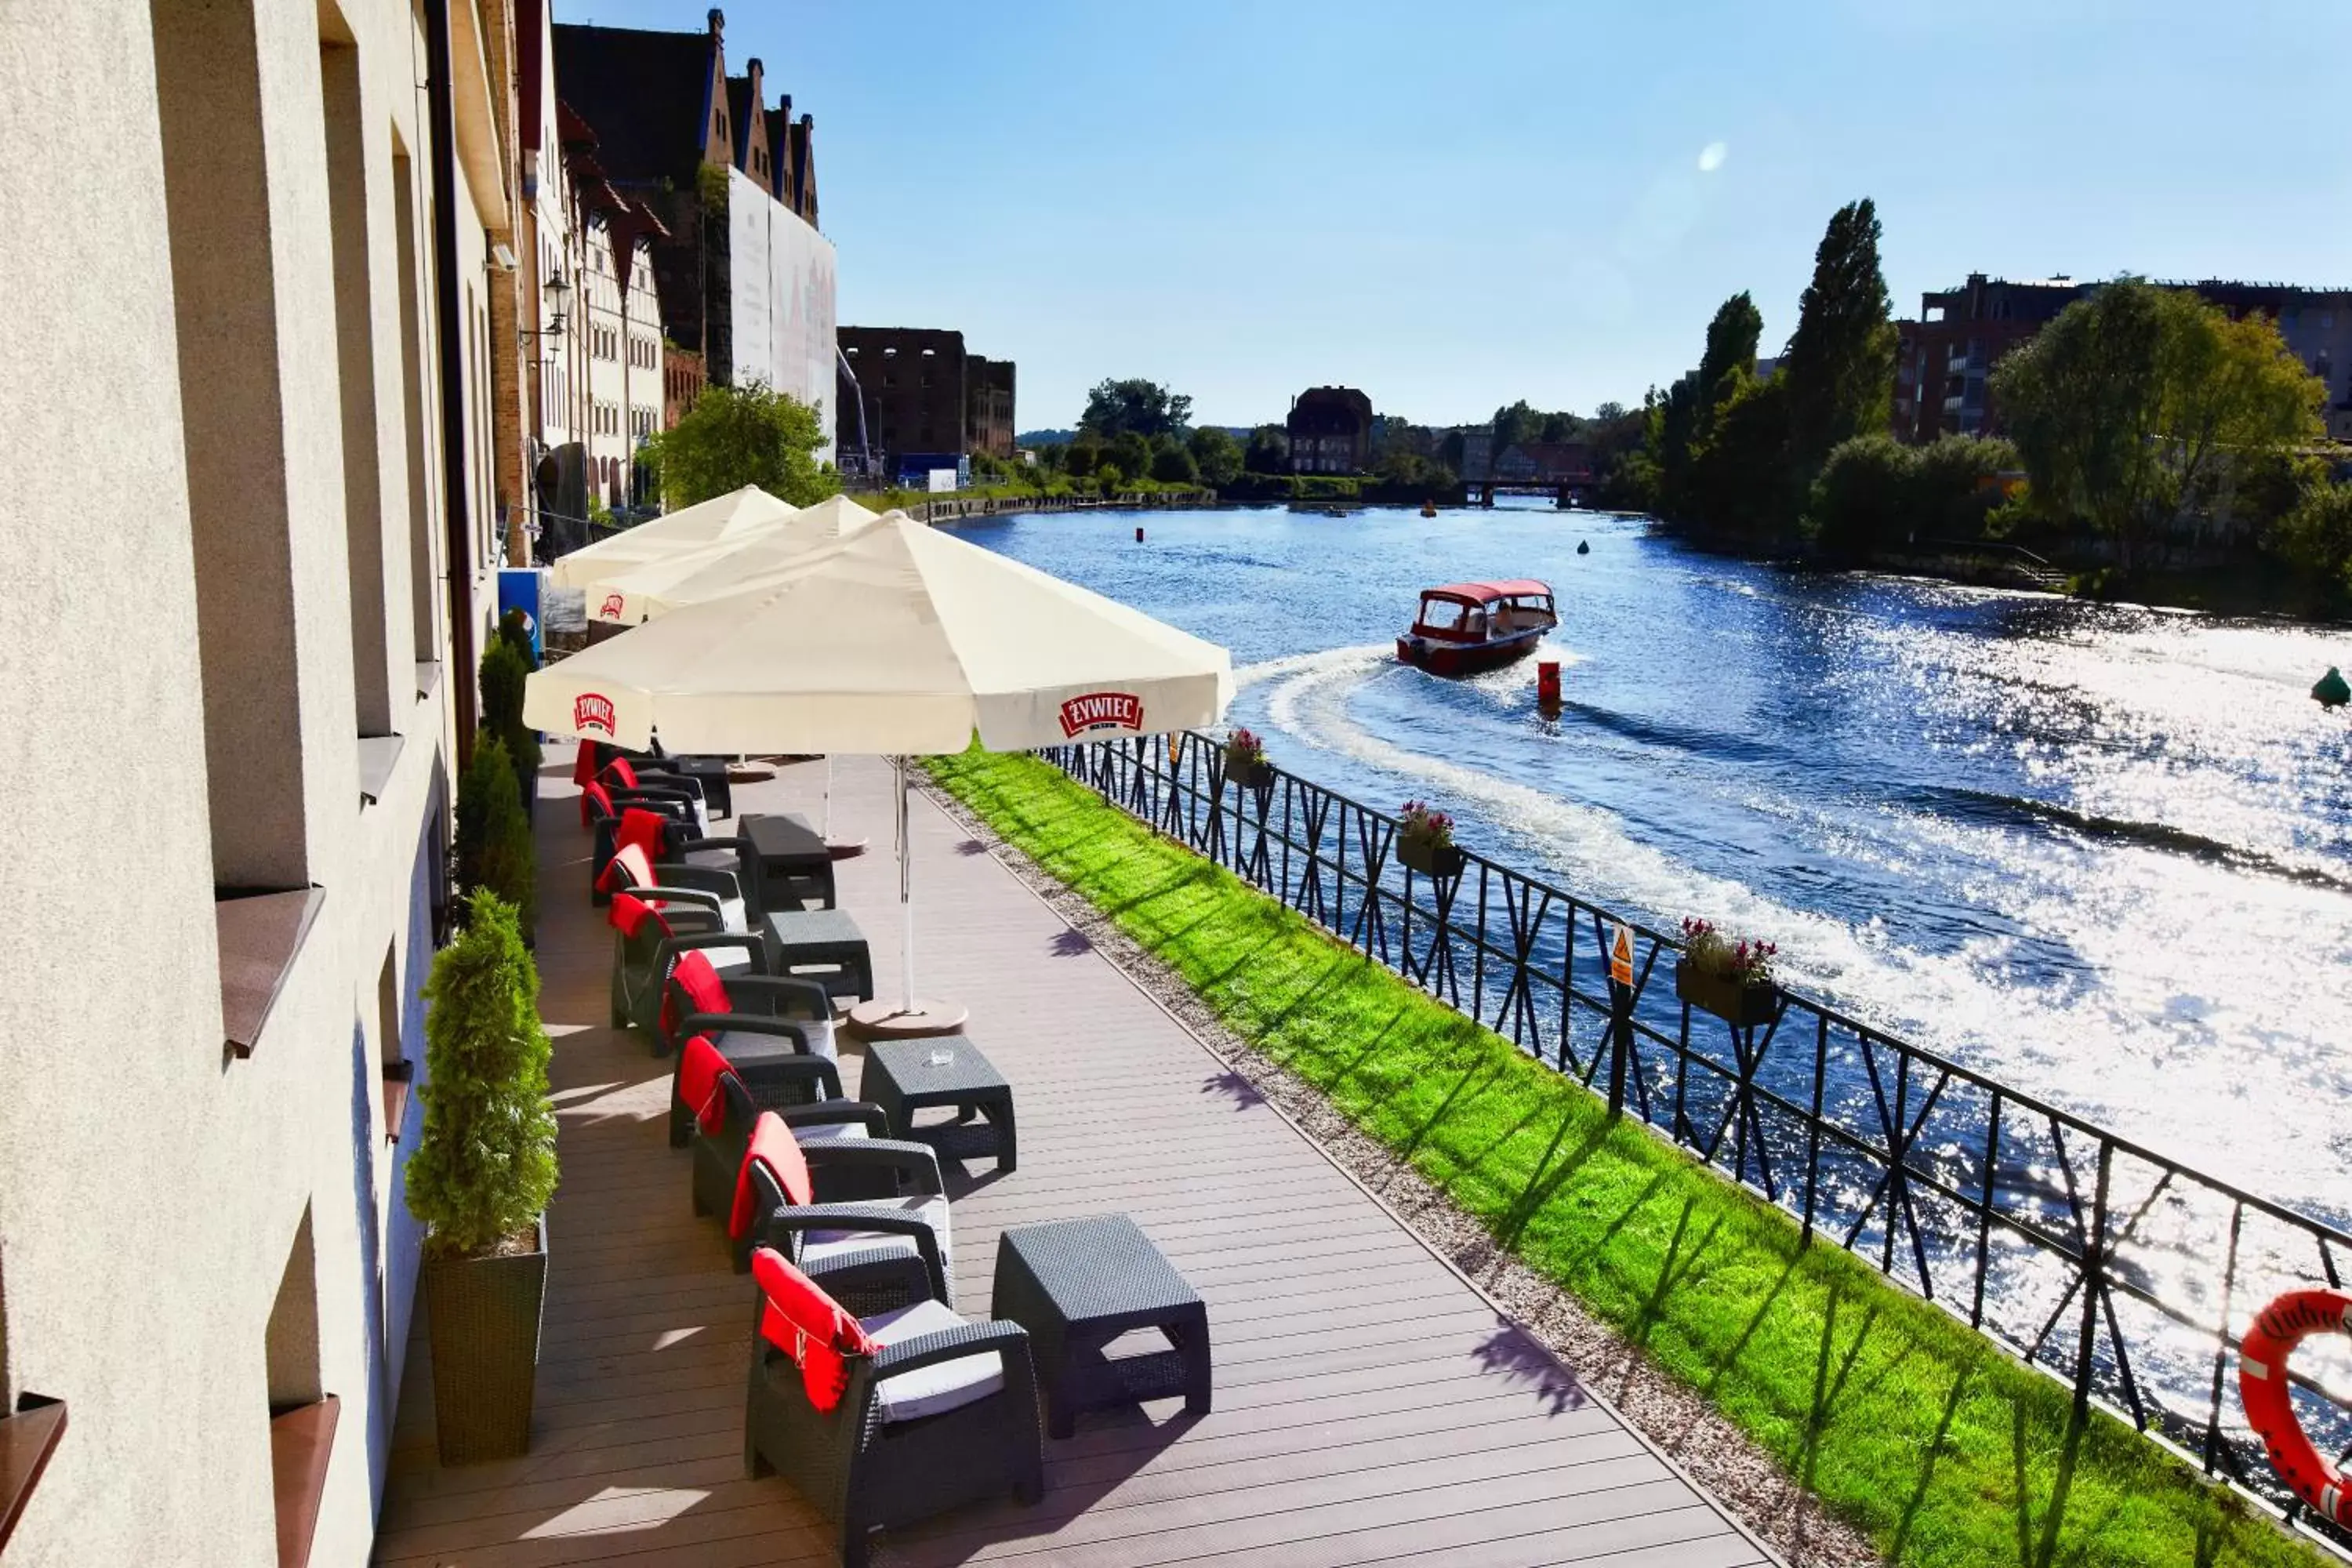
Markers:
(931, 1390)
(831, 1132)
(732, 915)
(817, 1246)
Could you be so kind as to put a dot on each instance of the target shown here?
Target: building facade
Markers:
(254, 339)
(742, 277)
(1330, 430)
(913, 391)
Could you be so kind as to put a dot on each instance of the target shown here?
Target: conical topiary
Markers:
(503, 671)
(494, 843)
(485, 1168)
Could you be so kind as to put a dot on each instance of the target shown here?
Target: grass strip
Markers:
(1944, 1449)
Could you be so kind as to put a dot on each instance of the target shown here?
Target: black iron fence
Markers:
(2125, 1274)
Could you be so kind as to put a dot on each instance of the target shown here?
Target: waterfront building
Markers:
(915, 391)
(1330, 430)
(740, 273)
(253, 404)
(1544, 462)
(1944, 359)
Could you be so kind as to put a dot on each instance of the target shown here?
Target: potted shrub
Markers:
(494, 847)
(1246, 763)
(504, 669)
(1729, 977)
(1425, 841)
(480, 1182)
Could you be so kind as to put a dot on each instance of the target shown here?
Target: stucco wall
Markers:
(152, 1186)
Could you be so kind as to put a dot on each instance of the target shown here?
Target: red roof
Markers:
(1486, 593)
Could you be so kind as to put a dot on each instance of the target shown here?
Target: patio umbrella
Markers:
(634, 594)
(703, 524)
(896, 641)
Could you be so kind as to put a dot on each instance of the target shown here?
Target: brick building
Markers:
(919, 392)
(1330, 430)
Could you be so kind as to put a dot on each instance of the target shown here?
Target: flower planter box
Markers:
(1250, 775)
(485, 1315)
(1432, 859)
(1741, 1006)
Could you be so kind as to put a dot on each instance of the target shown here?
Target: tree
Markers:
(737, 435)
(1610, 413)
(1740, 483)
(1144, 407)
(1108, 479)
(2139, 404)
(1269, 451)
(1841, 361)
(1514, 426)
(485, 1167)
(1730, 356)
(1874, 492)
(1173, 464)
(2315, 540)
(1217, 454)
(1132, 452)
(1082, 456)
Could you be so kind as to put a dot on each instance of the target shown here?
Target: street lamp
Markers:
(558, 294)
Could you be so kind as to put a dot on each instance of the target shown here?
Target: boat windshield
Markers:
(1442, 615)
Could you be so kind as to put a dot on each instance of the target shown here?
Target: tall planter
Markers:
(485, 1314)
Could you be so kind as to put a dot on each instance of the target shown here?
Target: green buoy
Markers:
(2332, 692)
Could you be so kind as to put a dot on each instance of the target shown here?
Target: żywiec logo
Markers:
(610, 610)
(1101, 710)
(591, 712)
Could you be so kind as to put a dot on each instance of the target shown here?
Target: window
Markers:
(347, 198)
(424, 607)
(233, 425)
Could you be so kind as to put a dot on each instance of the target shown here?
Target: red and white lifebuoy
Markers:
(2270, 1407)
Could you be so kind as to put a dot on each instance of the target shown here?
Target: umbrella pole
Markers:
(827, 832)
(906, 897)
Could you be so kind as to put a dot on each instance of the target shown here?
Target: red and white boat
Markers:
(1468, 626)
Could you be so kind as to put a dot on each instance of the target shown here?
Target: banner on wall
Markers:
(523, 588)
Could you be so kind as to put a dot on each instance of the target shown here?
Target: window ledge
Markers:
(27, 1438)
(301, 1442)
(260, 934)
(379, 755)
(399, 1078)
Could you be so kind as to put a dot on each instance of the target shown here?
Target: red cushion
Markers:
(803, 1322)
(629, 915)
(698, 979)
(595, 802)
(630, 867)
(699, 1069)
(773, 1146)
(620, 773)
(641, 829)
(583, 763)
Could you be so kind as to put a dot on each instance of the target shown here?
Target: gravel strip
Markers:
(1743, 1478)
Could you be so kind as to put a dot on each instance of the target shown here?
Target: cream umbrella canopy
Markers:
(704, 524)
(627, 594)
(896, 641)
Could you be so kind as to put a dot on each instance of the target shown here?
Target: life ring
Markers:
(2270, 1407)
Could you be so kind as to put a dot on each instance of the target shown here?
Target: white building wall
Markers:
(782, 299)
(153, 1184)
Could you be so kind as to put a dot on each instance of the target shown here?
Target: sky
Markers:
(1455, 206)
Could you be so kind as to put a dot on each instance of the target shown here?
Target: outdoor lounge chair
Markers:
(731, 891)
(708, 775)
(781, 1073)
(676, 854)
(602, 812)
(651, 936)
(702, 996)
(820, 1200)
(888, 1418)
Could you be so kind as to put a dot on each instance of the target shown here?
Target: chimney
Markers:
(718, 22)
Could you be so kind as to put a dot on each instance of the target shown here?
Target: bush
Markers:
(514, 630)
(1875, 493)
(494, 844)
(1174, 465)
(2315, 540)
(503, 672)
(485, 1168)
(1108, 478)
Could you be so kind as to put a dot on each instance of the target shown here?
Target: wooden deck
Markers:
(1370, 1406)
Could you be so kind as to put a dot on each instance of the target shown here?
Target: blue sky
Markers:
(1453, 206)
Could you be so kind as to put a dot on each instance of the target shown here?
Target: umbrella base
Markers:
(845, 849)
(892, 1020)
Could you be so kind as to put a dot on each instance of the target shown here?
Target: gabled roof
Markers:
(645, 93)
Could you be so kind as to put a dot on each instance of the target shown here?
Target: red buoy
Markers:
(1139, 536)
(1548, 683)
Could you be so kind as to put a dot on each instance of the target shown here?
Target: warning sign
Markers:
(1621, 955)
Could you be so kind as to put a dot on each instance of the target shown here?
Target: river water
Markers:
(2104, 854)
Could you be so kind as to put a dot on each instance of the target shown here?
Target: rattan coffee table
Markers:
(1078, 1284)
(903, 1076)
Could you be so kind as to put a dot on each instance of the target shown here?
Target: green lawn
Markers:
(1942, 1447)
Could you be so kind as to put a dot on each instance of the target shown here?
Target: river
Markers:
(2101, 853)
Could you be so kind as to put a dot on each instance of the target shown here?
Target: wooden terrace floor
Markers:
(1370, 1406)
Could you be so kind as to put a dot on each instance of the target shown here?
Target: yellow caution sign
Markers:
(1621, 955)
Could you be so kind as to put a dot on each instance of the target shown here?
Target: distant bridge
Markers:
(1573, 490)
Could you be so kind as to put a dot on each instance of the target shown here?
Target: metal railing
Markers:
(2123, 1274)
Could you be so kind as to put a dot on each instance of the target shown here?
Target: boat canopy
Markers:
(1487, 592)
